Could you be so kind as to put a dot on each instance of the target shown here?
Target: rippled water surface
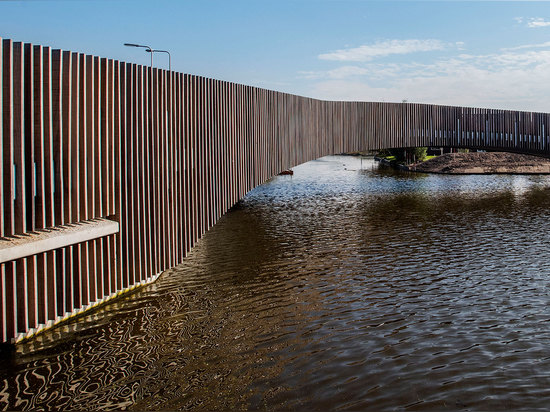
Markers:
(344, 286)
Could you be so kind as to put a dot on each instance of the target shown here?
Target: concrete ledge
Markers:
(33, 243)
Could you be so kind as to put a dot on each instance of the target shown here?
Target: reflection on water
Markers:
(344, 286)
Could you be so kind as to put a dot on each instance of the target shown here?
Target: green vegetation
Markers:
(419, 154)
(405, 156)
(389, 158)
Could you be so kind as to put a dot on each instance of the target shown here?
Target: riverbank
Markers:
(482, 163)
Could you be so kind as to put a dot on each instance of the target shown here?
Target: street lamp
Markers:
(147, 49)
(162, 51)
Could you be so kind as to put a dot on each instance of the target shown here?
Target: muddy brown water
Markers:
(343, 287)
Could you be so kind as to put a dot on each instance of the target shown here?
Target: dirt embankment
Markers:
(484, 163)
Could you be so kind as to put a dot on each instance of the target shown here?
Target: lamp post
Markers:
(162, 51)
(147, 49)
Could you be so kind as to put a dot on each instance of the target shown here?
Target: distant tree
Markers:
(411, 155)
(420, 153)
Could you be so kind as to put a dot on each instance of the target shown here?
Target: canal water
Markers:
(347, 286)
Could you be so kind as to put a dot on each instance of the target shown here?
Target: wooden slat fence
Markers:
(165, 154)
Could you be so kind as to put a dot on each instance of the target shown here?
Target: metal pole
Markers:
(147, 49)
(164, 51)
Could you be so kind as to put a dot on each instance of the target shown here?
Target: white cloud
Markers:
(460, 45)
(338, 73)
(383, 48)
(536, 22)
(529, 46)
(533, 22)
(513, 79)
(347, 71)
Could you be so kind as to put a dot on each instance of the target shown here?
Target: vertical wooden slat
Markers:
(172, 155)
(128, 181)
(17, 150)
(27, 120)
(10, 314)
(136, 175)
(83, 137)
(39, 160)
(30, 113)
(98, 141)
(20, 209)
(49, 180)
(193, 150)
(162, 170)
(111, 147)
(117, 282)
(57, 124)
(83, 185)
(147, 180)
(90, 137)
(188, 162)
(104, 132)
(75, 142)
(151, 175)
(178, 194)
(77, 137)
(99, 210)
(60, 287)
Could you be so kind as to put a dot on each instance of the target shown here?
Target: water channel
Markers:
(347, 286)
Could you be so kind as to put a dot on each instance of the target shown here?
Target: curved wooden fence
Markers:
(111, 171)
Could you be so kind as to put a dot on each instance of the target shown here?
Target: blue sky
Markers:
(488, 54)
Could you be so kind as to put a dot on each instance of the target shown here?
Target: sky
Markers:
(469, 53)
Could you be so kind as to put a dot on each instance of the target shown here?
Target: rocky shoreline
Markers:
(483, 163)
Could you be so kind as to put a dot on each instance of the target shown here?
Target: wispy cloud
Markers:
(537, 22)
(510, 79)
(533, 22)
(338, 73)
(460, 45)
(529, 46)
(383, 48)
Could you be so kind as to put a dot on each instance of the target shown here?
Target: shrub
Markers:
(420, 153)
